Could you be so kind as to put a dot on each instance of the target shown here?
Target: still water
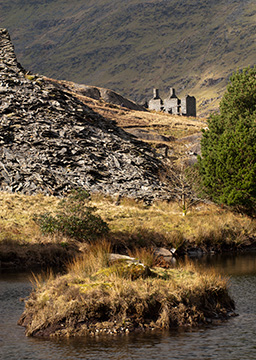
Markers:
(232, 340)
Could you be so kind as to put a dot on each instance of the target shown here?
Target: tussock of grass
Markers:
(146, 256)
(96, 297)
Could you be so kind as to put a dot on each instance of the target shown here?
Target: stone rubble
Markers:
(51, 142)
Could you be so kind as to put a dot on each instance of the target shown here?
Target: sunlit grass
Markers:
(131, 223)
(97, 295)
(16, 215)
(203, 223)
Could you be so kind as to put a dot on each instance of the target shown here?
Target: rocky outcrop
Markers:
(107, 95)
(50, 141)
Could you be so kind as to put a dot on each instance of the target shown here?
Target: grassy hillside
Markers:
(133, 46)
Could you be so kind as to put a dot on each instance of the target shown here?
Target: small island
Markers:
(103, 295)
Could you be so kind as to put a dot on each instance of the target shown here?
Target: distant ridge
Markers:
(133, 46)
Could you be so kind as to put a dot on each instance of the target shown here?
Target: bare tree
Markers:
(175, 176)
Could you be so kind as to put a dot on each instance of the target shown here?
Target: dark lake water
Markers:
(231, 340)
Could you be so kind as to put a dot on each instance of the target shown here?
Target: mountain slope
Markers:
(133, 46)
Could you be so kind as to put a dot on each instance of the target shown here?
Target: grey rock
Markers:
(163, 252)
(167, 255)
(116, 257)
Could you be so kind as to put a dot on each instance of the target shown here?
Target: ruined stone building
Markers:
(172, 104)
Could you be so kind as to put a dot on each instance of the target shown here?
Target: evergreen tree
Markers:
(228, 163)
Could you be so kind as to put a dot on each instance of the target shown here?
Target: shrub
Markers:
(74, 219)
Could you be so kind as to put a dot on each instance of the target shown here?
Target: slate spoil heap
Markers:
(51, 142)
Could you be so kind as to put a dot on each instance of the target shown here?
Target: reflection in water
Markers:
(240, 264)
(232, 340)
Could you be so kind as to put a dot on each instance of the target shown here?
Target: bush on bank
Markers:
(74, 219)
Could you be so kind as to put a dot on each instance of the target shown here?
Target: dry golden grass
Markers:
(95, 297)
(146, 256)
(132, 223)
(16, 217)
(94, 258)
(164, 223)
(22, 244)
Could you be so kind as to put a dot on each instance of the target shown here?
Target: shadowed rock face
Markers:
(51, 142)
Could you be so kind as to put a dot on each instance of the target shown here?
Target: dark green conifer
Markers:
(228, 162)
